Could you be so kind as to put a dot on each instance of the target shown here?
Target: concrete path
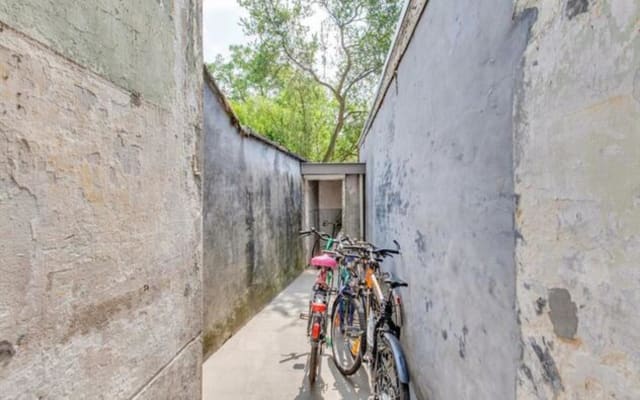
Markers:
(267, 359)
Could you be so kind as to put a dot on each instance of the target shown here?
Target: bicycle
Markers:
(320, 299)
(315, 249)
(348, 319)
(380, 341)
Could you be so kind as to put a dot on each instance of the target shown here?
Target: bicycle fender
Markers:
(398, 355)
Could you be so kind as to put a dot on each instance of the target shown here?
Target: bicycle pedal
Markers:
(304, 315)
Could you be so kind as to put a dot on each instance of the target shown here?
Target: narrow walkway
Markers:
(267, 359)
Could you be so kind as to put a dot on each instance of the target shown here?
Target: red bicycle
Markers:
(319, 303)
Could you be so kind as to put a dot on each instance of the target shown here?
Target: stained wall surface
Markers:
(504, 158)
(100, 221)
(252, 217)
(440, 181)
(577, 163)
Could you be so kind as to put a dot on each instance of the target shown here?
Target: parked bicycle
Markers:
(361, 298)
(317, 243)
(319, 303)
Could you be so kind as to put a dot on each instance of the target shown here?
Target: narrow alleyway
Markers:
(267, 359)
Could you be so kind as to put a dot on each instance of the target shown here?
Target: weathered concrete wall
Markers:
(577, 163)
(127, 42)
(100, 236)
(330, 194)
(506, 164)
(310, 211)
(252, 216)
(439, 180)
(352, 203)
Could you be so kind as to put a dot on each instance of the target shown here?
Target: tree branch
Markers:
(357, 79)
(309, 70)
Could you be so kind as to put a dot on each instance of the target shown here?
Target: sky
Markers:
(221, 27)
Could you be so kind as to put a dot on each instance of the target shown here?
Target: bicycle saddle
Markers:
(324, 261)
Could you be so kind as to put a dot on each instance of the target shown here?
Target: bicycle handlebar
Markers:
(321, 235)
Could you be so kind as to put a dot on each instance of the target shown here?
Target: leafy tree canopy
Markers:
(308, 88)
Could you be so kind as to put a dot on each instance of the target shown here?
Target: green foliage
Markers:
(308, 89)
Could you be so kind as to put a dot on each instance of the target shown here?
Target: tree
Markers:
(276, 101)
(308, 89)
(345, 57)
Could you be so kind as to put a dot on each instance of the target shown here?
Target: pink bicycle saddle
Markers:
(324, 261)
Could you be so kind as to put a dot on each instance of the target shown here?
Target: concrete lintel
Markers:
(333, 169)
(324, 177)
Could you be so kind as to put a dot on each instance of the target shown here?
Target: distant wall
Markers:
(352, 211)
(252, 217)
(100, 207)
(329, 203)
(330, 194)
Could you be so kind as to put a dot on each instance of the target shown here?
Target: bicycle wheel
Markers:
(387, 384)
(348, 335)
(313, 362)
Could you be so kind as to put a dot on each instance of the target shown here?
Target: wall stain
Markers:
(549, 368)
(462, 342)
(420, 242)
(576, 7)
(98, 316)
(540, 305)
(527, 372)
(7, 351)
(564, 313)
(135, 99)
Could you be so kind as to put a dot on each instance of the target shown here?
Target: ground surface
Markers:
(267, 359)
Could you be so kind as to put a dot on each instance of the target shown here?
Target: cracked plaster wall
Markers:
(100, 235)
(577, 157)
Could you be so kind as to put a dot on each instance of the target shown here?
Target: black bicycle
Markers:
(348, 318)
(378, 342)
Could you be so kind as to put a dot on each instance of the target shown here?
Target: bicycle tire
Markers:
(352, 304)
(401, 391)
(313, 362)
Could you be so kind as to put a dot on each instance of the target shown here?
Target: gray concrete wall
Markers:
(577, 157)
(310, 215)
(100, 236)
(506, 164)
(252, 216)
(329, 204)
(439, 180)
(351, 212)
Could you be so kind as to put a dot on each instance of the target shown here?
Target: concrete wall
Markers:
(352, 206)
(439, 180)
(330, 194)
(100, 236)
(252, 216)
(329, 204)
(577, 163)
(503, 159)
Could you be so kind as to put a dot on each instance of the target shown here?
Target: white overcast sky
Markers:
(221, 27)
